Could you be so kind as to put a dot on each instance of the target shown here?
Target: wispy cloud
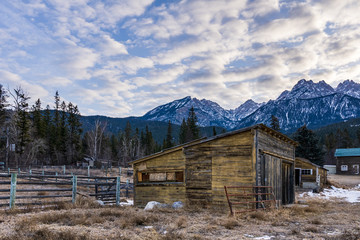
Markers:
(121, 58)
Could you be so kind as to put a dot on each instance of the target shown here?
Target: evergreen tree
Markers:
(183, 132)
(194, 130)
(22, 122)
(275, 123)
(62, 135)
(214, 131)
(308, 145)
(49, 135)
(168, 141)
(37, 119)
(75, 130)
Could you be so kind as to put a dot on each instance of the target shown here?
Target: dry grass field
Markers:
(317, 219)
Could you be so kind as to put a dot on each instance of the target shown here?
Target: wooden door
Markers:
(287, 187)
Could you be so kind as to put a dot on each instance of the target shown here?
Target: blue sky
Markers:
(122, 58)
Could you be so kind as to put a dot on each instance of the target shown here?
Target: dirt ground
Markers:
(314, 218)
(349, 181)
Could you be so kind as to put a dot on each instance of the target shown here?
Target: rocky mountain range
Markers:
(310, 103)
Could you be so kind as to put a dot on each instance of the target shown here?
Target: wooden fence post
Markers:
(117, 191)
(30, 173)
(56, 174)
(74, 185)
(88, 171)
(8, 171)
(64, 169)
(13, 190)
(19, 170)
(127, 188)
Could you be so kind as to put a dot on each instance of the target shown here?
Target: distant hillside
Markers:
(351, 126)
(158, 129)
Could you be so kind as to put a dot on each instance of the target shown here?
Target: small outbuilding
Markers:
(196, 172)
(347, 161)
(308, 174)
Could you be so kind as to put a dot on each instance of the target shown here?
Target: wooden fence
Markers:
(27, 189)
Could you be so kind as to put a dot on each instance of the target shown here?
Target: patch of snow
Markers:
(266, 237)
(128, 203)
(349, 195)
(151, 205)
(148, 227)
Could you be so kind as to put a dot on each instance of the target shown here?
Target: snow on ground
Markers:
(128, 203)
(349, 195)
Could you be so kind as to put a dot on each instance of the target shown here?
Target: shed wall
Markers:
(161, 192)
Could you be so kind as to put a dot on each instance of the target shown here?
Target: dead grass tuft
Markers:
(316, 221)
(86, 202)
(173, 235)
(311, 229)
(137, 218)
(258, 215)
(181, 222)
(230, 223)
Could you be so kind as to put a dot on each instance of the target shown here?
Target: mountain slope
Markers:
(208, 113)
(314, 104)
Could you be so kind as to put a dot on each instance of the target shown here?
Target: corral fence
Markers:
(65, 170)
(42, 189)
(243, 199)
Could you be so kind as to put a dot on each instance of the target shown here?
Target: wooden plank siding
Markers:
(350, 161)
(306, 164)
(165, 193)
(273, 154)
(247, 157)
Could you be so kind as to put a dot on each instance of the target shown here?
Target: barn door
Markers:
(286, 183)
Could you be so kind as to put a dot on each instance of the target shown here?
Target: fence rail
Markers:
(23, 189)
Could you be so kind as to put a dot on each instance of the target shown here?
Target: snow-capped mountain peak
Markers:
(307, 89)
(349, 87)
(316, 104)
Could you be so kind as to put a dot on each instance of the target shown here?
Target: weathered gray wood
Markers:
(74, 187)
(117, 191)
(12, 191)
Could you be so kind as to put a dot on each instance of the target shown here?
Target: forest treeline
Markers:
(37, 135)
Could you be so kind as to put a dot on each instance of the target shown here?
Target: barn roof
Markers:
(347, 152)
(308, 161)
(203, 140)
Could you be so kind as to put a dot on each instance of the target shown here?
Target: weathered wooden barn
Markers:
(347, 161)
(196, 172)
(308, 174)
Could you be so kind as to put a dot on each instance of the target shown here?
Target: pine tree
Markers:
(183, 132)
(194, 130)
(63, 134)
(308, 145)
(275, 123)
(75, 130)
(37, 119)
(22, 121)
(214, 131)
(168, 141)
